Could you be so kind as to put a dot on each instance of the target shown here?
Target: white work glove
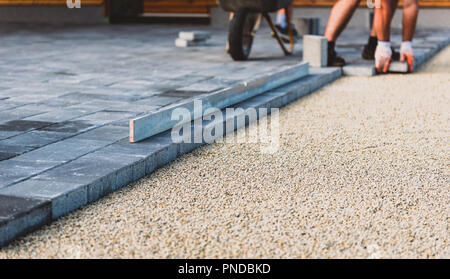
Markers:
(383, 55)
(407, 54)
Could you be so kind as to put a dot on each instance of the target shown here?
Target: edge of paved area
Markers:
(33, 203)
(151, 124)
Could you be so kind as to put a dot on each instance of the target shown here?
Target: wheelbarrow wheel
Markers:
(240, 34)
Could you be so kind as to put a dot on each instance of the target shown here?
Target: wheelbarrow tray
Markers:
(257, 6)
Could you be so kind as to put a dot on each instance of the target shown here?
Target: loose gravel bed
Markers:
(362, 171)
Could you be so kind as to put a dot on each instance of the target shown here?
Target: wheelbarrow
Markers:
(245, 21)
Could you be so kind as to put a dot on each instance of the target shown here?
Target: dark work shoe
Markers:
(335, 60)
(284, 34)
(368, 52)
(395, 55)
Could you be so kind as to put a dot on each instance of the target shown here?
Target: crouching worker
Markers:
(383, 18)
(342, 12)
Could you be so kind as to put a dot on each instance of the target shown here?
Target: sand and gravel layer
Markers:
(362, 171)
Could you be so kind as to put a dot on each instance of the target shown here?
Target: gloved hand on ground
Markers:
(407, 54)
(383, 55)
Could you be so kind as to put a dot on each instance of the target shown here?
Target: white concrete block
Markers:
(315, 50)
(194, 35)
(398, 67)
(186, 43)
(369, 70)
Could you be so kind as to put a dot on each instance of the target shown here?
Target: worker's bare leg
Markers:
(382, 21)
(410, 14)
(340, 15)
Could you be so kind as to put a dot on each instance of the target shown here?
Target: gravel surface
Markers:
(362, 171)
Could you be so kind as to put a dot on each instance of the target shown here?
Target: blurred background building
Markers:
(434, 13)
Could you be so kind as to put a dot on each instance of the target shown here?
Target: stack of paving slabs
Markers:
(192, 38)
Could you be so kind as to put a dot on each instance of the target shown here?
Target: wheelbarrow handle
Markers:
(290, 32)
(274, 30)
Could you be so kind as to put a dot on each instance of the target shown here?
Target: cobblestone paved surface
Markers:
(58, 83)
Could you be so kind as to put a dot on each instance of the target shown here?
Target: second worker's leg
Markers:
(281, 25)
(340, 15)
(368, 52)
(410, 14)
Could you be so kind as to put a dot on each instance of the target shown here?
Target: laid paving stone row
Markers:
(64, 197)
(151, 124)
(64, 133)
(21, 215)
